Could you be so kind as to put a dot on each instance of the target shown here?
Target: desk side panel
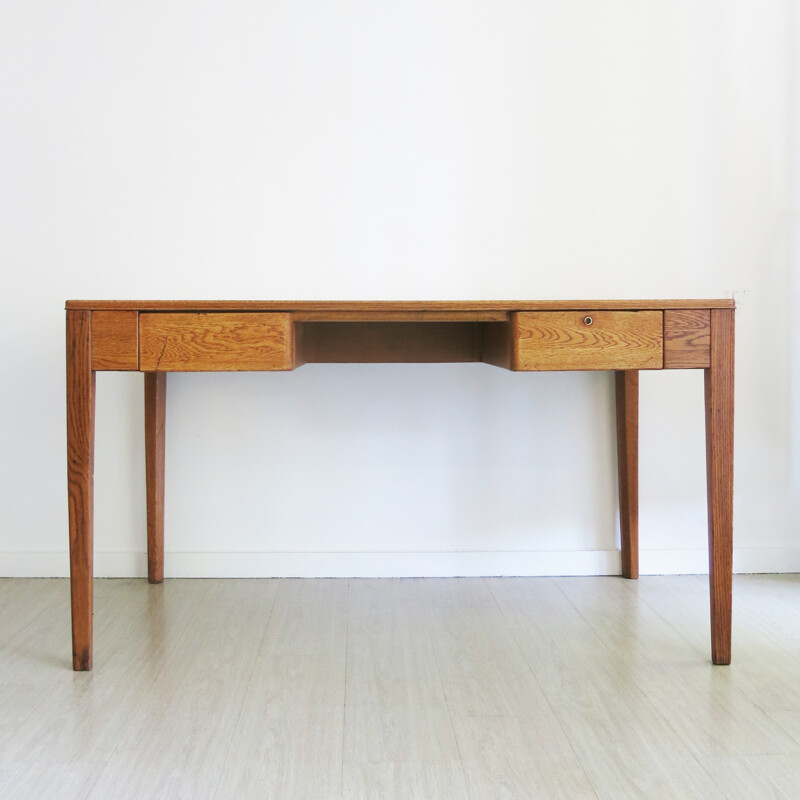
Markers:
(499, 343)
(687, 339)
(115, 340)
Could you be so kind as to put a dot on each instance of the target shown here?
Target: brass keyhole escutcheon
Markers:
(587, 320)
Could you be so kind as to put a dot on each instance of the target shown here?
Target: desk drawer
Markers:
(211, 342)
(567, 340)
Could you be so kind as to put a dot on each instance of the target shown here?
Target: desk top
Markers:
(390, 305)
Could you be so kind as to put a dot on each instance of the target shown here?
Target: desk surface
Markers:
(389, 305)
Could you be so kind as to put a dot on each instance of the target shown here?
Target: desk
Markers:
(175, 336)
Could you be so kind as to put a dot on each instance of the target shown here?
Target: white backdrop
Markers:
(418, 150)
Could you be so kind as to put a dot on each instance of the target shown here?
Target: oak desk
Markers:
(176, 336)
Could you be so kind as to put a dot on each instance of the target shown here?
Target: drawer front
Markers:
(197, 342)
(568, 340)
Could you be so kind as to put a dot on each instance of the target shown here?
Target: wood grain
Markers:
(513, 757)
(80, 482)
(719, 465)
(555, 340)
(627, 391)
(212, 342)
(178, 738)
(155, 402)
(411, 780)
(687, 340)
(382, 306)
(115, 340)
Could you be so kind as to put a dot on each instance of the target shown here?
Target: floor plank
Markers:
(435, 688)
(179, 736)
(33, 779)
(766, 777)
(510, 757)
(442, 780)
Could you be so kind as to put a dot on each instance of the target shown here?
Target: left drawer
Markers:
(215, 342)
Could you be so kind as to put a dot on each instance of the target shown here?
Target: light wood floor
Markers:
(432, 688)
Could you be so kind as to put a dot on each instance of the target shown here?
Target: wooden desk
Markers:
(625, 336)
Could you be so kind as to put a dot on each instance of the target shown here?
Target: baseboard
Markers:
(746, 560)
(395, 564)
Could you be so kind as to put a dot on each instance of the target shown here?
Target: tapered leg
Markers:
(155, 396)
(80, 482)
(627, 384)
(719, 468)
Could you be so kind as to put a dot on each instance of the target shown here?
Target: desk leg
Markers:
(80, 482)
(719, 468)
(155, 396)
(627, 386)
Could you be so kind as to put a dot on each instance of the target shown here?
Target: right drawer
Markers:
(583, 340)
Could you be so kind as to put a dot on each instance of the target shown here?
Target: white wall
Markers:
(427, 149)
